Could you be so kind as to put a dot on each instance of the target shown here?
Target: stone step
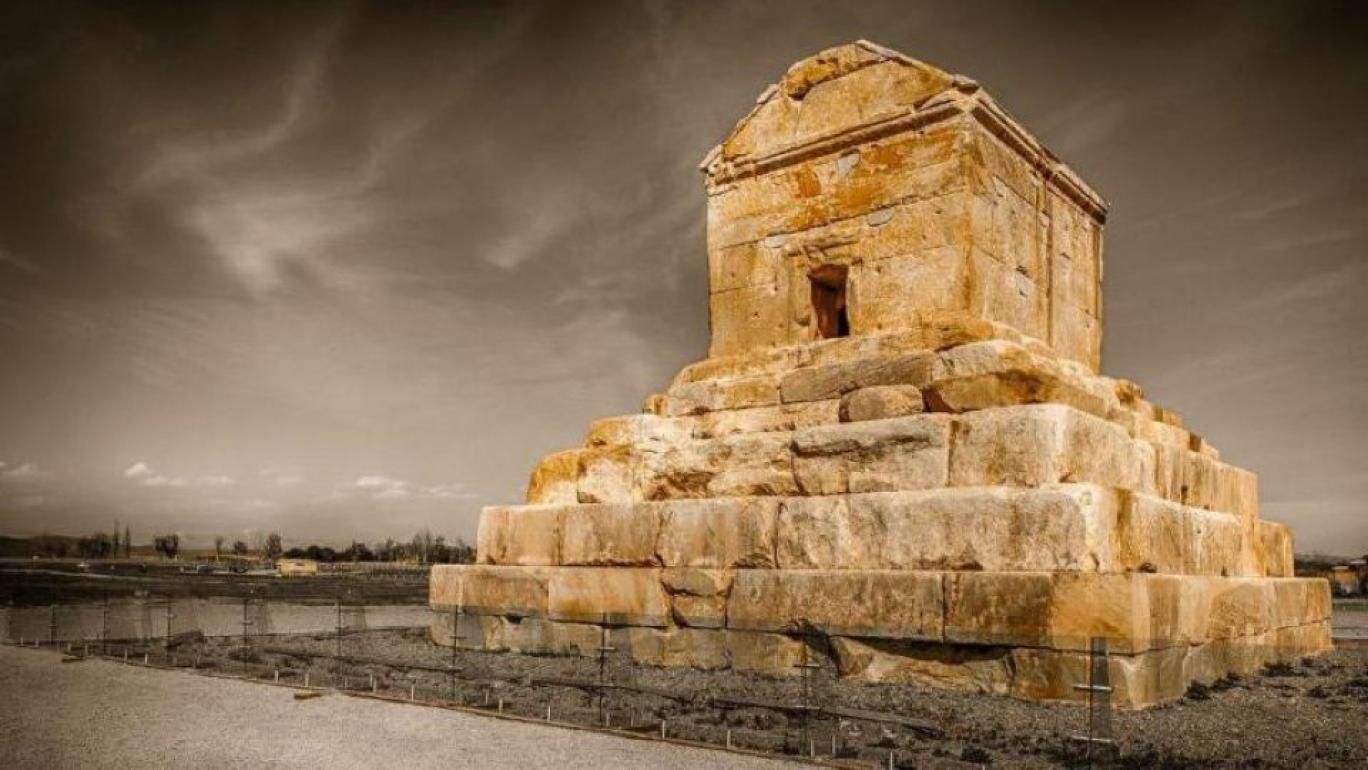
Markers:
(1058, 527)
(1138, 679)
(1027, 445)
(1137, 612)
(967, 377)
(1073, 527)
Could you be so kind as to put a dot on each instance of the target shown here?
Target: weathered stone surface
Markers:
(718, 534)
(999, 608)
(767, 419)
(1202, 482)
(816, 383)
(555, 479)
(879, 455)
(694, 581)
(1275, 549)
(1044, 444)
(774, 655)
(618, 596)
(525, 535)
(491, 590)
(738, 465)
(1001, 373)
(901, 605)
(699, 611)
(1152, 535)
(880, 402)
(608, 475)
(735, 393)
(607, 535)
(894, 661)
(693, 647)
(982, 528)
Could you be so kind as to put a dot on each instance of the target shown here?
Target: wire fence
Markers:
(329, 646)
(316, 647)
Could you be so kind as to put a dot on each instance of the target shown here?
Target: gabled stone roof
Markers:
(861, 91)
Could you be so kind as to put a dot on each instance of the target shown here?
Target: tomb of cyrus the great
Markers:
(900, 452)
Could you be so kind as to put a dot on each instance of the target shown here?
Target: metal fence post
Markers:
(1098, 741)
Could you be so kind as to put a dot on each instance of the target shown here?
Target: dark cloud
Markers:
(428, 243)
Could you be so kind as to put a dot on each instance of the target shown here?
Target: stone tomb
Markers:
(900, 451)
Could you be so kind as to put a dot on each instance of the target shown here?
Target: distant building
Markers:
(1349, 579)
(296, 567)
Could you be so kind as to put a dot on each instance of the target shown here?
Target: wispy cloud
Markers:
(389, 489)
(22, 471)
(141, 473)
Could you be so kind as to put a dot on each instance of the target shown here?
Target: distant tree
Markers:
(239, 548)
(96, 546)
(218, 547)
(296, 553)
(357, 551)
(167, 545)
(114, 549)
(422, 546)
(128, 543)
(273, 547)
(460, 552)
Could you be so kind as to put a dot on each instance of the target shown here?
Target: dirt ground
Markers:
(1305, 716)
(99, 714)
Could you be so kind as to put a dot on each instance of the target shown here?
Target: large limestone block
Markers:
(1200, 481)
(767, 654)
(881, 402)
(1217, 545)
(748, 318)
(1087, 605)
(520, 535)
(530, 636)
(612, 595)
(767, 419)
(879, 455)
(901, 605)
(721, 395)
(1137, 680)
(555, 479)
(718, 533)
(1044, 444)
(738, 465)
(816, 383)
(1237, 607)
(704, 649)
(812, 194)
(1000, 373)
(995, 529)
(483, 589)
(609, 535)
(608, 475)
(884, 293)
(975, 669)
(998, 608)
(1152, 535)
(636, 429)
(1275, 549)
(1301, 601)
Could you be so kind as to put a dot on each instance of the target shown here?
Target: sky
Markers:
(349, 270)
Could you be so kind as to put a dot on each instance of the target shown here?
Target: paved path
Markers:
(104, 714)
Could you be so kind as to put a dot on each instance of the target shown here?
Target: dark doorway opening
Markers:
(829, 301)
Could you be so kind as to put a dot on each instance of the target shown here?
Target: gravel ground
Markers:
(1307, 716)
(102, 714)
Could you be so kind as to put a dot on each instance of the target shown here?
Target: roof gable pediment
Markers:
(829, 92)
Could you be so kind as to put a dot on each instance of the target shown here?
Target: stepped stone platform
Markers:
(899, 453)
